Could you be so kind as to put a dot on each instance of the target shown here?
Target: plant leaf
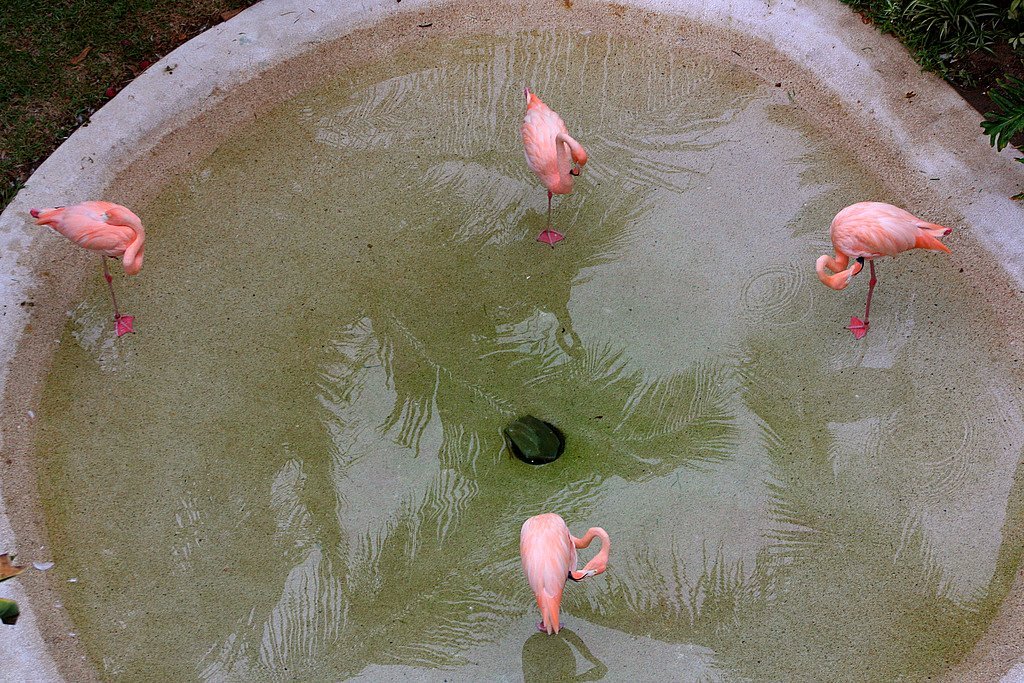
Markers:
(1000, 126)
(9, 612)
(81, 55)
(8, 569)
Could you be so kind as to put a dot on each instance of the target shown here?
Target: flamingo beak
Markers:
(583, 574)
(575, 171)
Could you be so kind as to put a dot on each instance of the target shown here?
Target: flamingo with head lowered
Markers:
(108, 228)
(551, 153)
(548, 552)
(870, 230)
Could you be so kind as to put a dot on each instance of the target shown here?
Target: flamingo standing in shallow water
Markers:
(548, 552)
(551, 153)
(108, 228)
(869, 230)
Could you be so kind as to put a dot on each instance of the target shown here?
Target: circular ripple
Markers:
(778, 294)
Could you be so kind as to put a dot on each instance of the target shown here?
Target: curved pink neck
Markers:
(841, 275)
(133, 254)
(579, 155)
(600, 561)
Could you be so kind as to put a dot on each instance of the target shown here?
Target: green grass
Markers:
(44, 97)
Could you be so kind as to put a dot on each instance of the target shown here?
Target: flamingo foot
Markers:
(540, 627)
(551, 237)
(858, 327)
(123, 324)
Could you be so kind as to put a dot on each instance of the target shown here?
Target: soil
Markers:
(985, 70)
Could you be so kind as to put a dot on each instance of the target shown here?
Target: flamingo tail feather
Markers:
(926, 241)
(549, 612)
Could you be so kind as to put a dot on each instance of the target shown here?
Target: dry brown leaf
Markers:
(81, 55)
(230, 13)
(8, 569)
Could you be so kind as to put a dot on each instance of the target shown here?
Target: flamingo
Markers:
(551, 153)
(548, 552)
(108, 228)
(870, 230)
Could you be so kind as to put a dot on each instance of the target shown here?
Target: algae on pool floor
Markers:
(296, 468)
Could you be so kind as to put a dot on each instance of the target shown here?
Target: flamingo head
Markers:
(579, 160)
(579, 157)
(837, 280)
(132, 266)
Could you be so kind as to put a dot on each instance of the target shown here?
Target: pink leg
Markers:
(550, 236)
(857, 326)
(122, 323)
(110, 286)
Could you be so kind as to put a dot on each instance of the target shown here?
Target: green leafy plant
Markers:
(1002, 125)
(8, 608)
(9, 612)
(940, 33)
(954, 27)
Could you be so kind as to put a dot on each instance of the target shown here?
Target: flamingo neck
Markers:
(564, 162)
(840, 275)
(131, 261)
(599, 562)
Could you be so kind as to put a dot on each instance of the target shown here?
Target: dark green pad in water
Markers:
(533, 441)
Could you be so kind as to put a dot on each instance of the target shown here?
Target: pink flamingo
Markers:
(551, 153)
(870, 230)
(548, 552)
(108, 228)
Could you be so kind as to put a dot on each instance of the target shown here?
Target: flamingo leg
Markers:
(110, 286)
(122, 323)
(550, 236)
(857, 326)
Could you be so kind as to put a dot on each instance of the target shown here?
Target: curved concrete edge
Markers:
(869, 74)
(85, 166)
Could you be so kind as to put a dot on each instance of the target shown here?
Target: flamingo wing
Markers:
(547, 553)
(540, 130)
(96, 236)
(874, 229)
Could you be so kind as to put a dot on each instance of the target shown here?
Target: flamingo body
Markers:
(104, 227)
(869, 230)
(548, 553)
(551, 153)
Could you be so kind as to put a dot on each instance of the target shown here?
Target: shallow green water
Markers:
(295, 470)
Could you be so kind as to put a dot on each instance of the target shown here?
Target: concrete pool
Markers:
(181, 142)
